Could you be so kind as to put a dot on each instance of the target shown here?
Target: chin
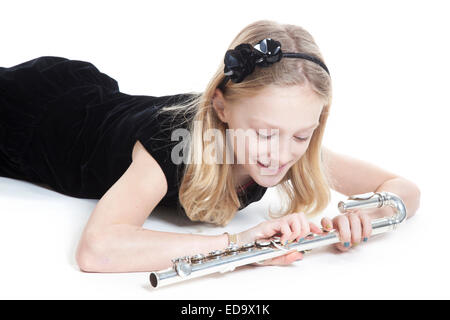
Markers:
(267, 180)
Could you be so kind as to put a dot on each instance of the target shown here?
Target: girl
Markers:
(65, 125)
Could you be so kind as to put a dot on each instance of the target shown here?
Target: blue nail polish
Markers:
(285, 243)
(301, 239)
(346, 244)
(365, 239)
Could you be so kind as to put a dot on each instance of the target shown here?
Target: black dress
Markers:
(65, 124)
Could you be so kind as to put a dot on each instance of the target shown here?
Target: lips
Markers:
(267, 166)
(263, 165)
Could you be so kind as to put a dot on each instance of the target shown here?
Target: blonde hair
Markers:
(207, 191)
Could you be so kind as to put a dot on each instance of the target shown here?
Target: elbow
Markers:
(417, 195)
(92, 253)
(414, 199)
(84, 262)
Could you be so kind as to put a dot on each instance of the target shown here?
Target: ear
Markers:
(219, 105)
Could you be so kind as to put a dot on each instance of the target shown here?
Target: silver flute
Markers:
(189, 267)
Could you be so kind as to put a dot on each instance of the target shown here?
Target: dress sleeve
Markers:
(155, 134)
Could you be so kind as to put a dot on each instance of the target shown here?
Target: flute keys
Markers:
(232, 249)
(183, 268)
(262, 243)
(197, 258)
(181, 259)
(277, 240)
(309, 236)
(216, 253)
(248, 246)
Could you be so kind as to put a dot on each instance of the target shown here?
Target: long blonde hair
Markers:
(207, 191)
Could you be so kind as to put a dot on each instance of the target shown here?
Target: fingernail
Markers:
(301, 239)
(346, 244)
(285, 243)
(328, 226)
(365, 239)
(355, 244)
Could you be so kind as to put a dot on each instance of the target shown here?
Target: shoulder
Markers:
(147, 169)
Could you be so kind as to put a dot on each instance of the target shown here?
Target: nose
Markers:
(280, 152)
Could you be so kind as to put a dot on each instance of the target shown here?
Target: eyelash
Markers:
(268, 137)
(301, 139)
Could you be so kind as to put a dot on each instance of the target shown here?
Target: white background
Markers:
(390, 70)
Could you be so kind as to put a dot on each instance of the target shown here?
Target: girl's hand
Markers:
(291, 227)
(353, 227)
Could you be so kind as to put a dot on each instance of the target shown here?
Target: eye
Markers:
(263, 136)
(301, 139)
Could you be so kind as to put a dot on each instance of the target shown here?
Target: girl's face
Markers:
(270, 131)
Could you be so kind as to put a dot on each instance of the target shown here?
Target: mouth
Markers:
(261, 165)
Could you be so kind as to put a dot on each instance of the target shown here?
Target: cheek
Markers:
(245, 146)
(252, 150)
(243, 149)
(300, 150)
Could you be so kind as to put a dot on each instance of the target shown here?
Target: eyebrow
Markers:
(315, 125)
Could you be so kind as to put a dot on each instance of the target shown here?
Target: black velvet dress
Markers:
(65, 124)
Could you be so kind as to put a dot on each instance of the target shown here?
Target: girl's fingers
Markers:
(326, 223)
(315, 228)
(305, 227)
(366, 222)
(343, 227)
(352, 227)
(285, 232)
(296, 228)
(355, 228)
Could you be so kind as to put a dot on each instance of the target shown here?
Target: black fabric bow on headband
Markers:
(242, 60)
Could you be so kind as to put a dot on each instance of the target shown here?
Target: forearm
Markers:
(406, 190)
(126, 248)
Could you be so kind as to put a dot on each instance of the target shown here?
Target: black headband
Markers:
(241, 61)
